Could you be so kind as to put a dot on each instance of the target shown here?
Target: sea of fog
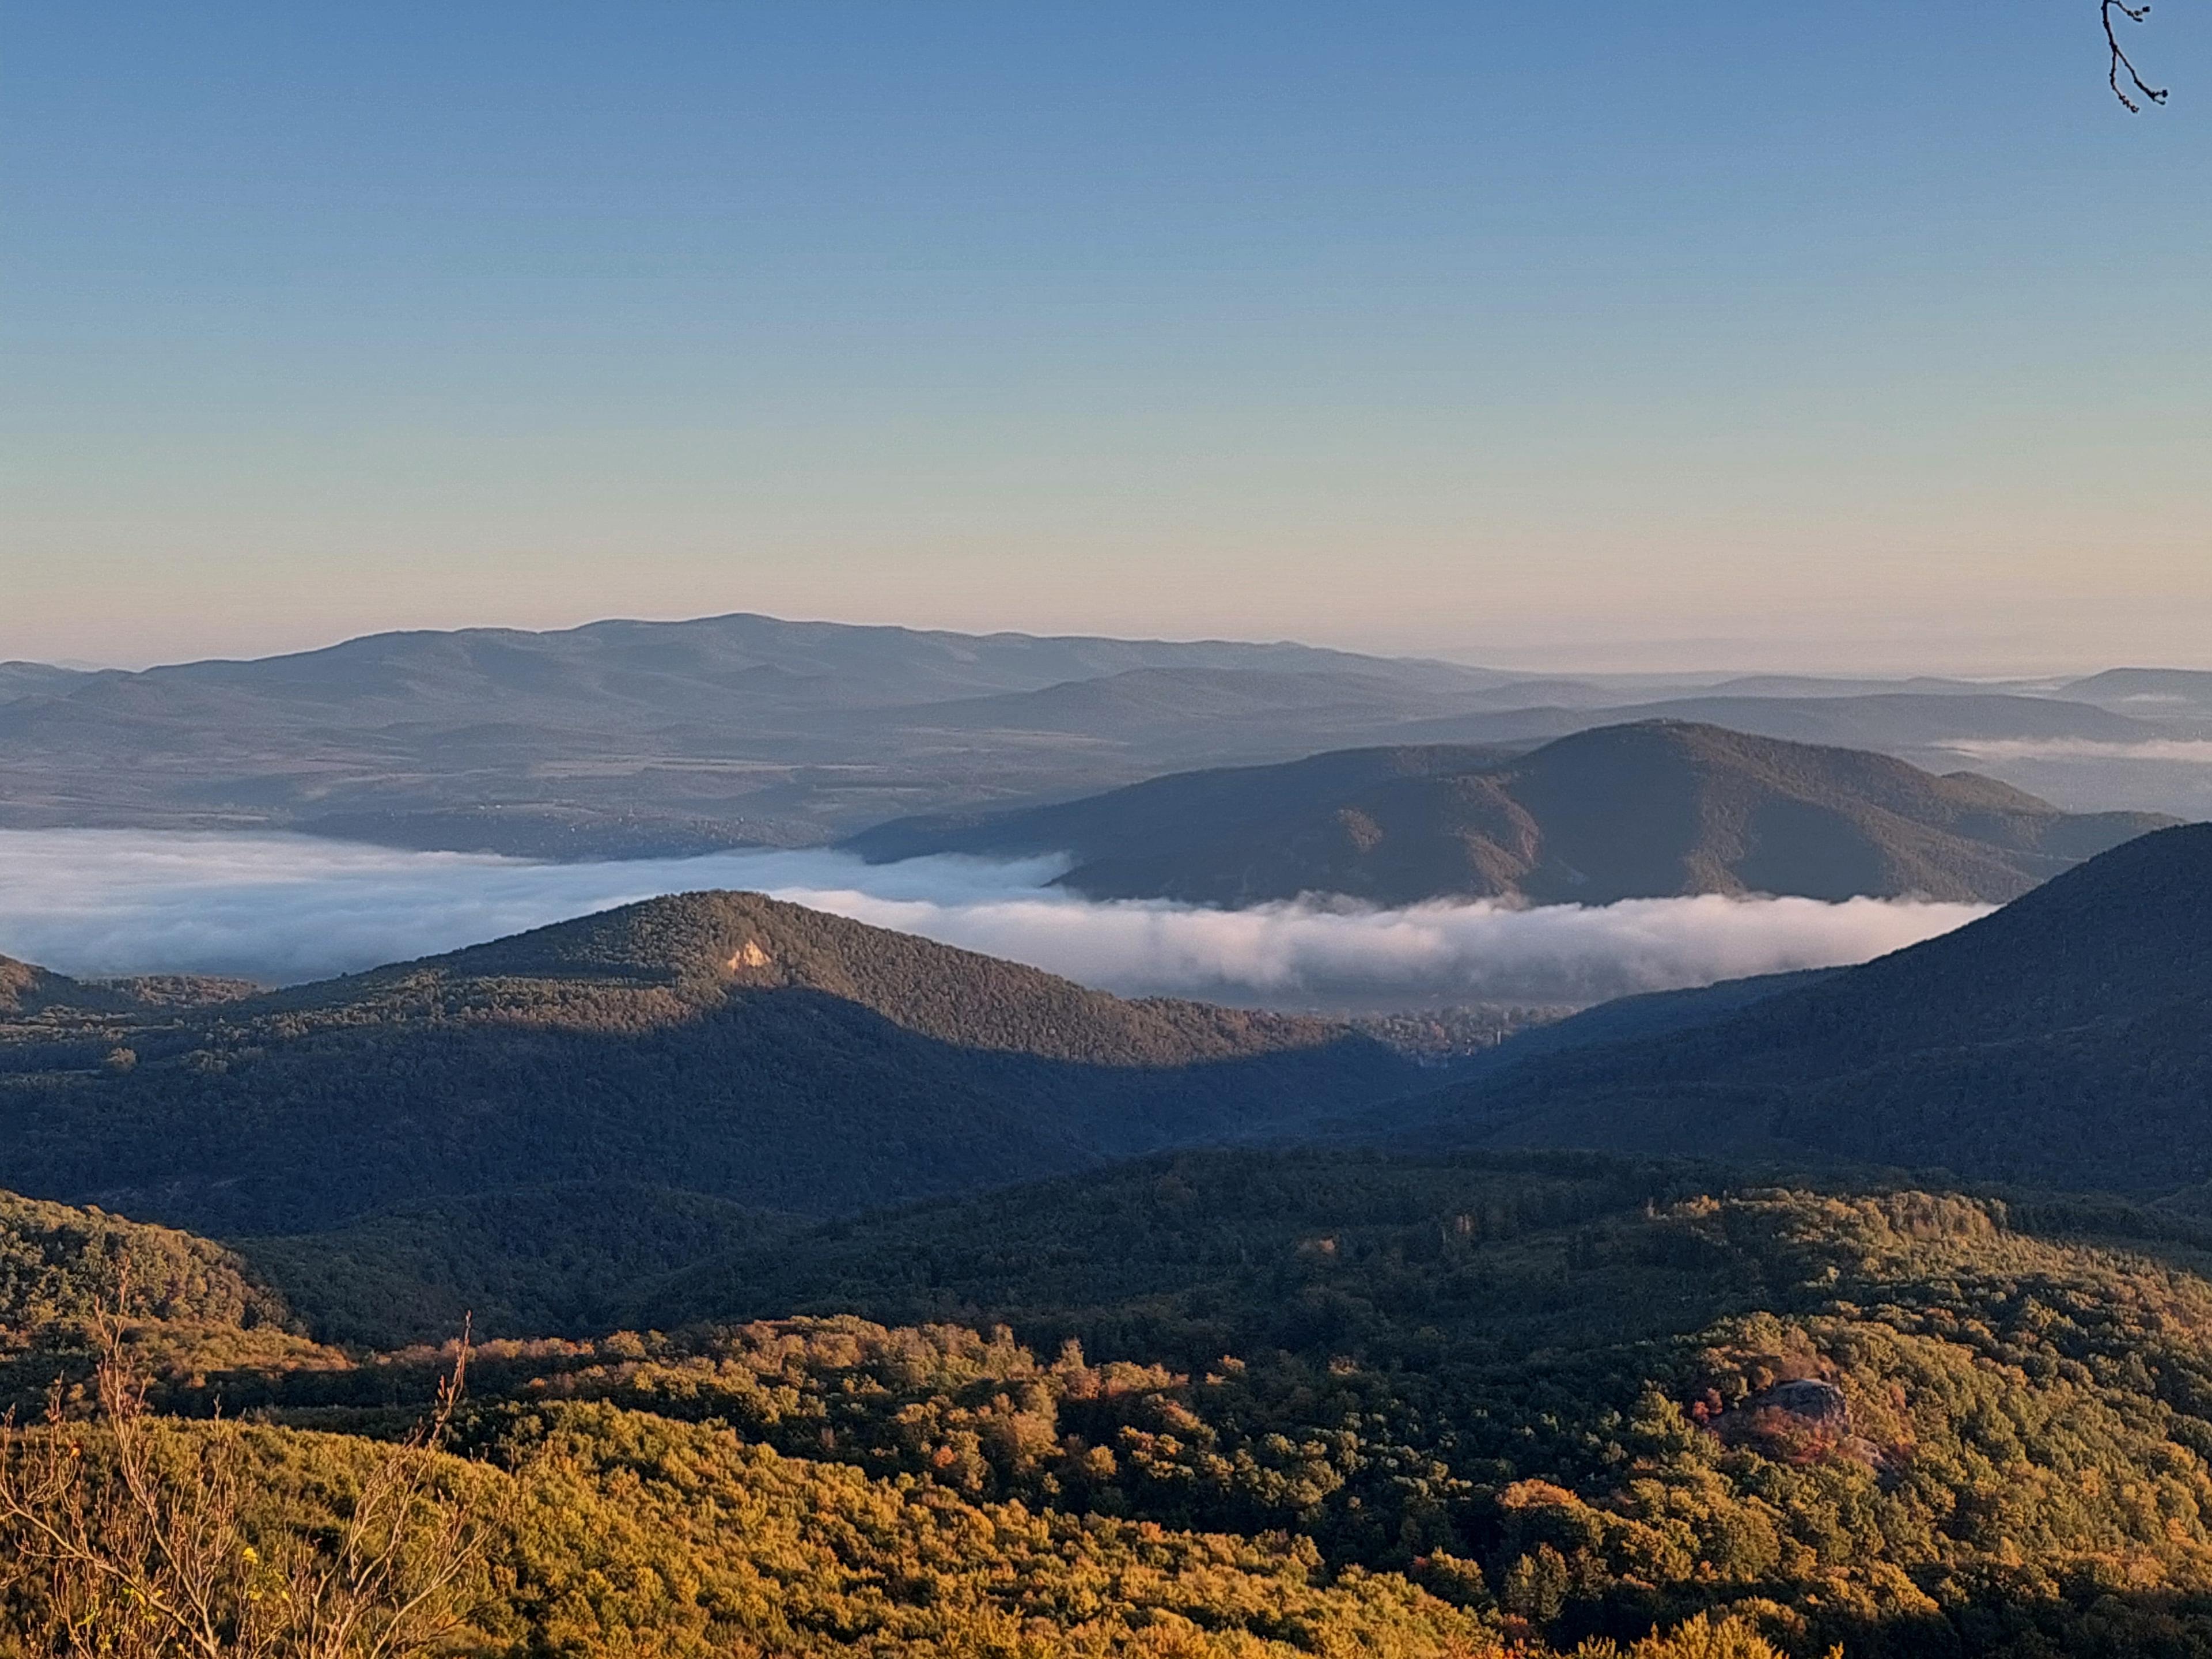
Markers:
(282, 908)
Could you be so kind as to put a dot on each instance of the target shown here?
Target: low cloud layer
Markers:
(1301, 955)
(282, 908)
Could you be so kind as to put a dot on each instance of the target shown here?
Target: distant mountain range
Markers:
(722, 1043)
(1657, 809)
(624, 738)
(1920, 723)
(2147, 689)
(2064, 1041)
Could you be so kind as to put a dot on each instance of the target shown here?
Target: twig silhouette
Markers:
(2121, 62)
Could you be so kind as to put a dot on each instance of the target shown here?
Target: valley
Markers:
(756, 1189)
(824, 1289)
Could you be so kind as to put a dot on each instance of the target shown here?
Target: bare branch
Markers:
(130, 1535)
(2122, 63)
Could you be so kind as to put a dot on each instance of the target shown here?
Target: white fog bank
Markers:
(282, 908)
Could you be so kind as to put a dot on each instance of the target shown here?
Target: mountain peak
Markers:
(663, 960)
(706, 937)
(1650, 808)
(724, 1041)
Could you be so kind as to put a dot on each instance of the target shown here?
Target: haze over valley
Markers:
(501, 776)
(632, 739)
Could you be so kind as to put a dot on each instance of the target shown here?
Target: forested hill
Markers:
(1242, 1404)
(667, 959)
(26, 989)
(1912, 1422)
(2066, 1039)
(188, 1305)
(1654, 809)
(60, 1266)
(721, 1043)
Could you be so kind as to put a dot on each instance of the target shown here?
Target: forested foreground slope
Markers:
(721, 1043)
(1278, 1404)
(2065, 1039)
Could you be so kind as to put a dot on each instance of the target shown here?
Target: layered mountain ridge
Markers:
(1656, 809)
(626, 739)
(721, 1042)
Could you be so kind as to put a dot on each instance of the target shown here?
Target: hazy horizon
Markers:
(1687, 660)
(1860, 339)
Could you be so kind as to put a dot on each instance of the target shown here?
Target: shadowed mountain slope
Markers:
(186, 1306)
(2065, 1039)
(664, 961)
(1651, 810)
(720, 1043)
(525, 1262)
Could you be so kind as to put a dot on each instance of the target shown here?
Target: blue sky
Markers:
(1869, 334)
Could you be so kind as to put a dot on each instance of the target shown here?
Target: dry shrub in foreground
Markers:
(130, 1535)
